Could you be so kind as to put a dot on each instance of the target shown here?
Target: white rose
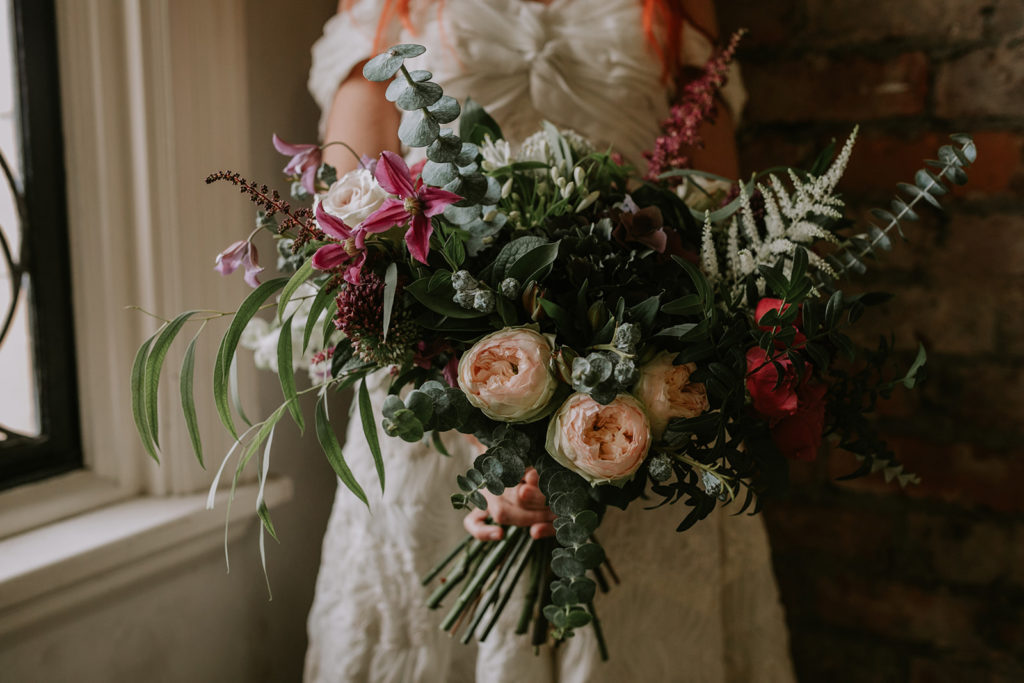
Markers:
(353, 197)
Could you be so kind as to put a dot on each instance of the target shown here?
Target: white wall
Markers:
(193, 622)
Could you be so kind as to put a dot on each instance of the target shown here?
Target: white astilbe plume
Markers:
(791, 221)
(709, 259)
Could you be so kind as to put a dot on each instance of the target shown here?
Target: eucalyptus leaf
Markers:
(419, 96)
(400, 83)
(385, 65)
(418, 130)
(439, 174)
(445, 148)
(445, 110)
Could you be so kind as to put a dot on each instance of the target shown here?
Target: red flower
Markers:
(799, 435)
(773, 398)
(769, 304)
(795, 411)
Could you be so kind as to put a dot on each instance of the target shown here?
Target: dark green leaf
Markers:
(304, 272)
(332, 449)
(229, 344)
(154, 365)
(286, 373)
(390, 288)
(320, 302)
(139, 412)
(370, 430)
(475, 123)
(188, 399)
(535, 264)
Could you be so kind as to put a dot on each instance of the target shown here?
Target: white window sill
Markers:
(51, 569)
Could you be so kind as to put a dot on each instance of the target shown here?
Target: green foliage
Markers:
(927, 186)
(332, 449)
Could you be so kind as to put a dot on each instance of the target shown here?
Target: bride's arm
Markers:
(361, 118)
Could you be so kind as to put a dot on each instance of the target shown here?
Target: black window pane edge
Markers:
(58, 448)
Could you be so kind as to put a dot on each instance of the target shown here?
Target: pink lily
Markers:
(348, 248)
(304, 162)
(243, 254)
(415, 204)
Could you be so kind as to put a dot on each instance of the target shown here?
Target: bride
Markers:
(697, 606)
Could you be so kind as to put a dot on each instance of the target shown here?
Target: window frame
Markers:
(57, 448)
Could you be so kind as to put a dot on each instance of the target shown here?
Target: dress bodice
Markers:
(583, 65)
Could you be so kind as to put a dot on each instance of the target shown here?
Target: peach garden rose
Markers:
(667, 392)
(507, 375)
(602, 443)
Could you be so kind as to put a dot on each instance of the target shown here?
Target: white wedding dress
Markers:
(701, 606)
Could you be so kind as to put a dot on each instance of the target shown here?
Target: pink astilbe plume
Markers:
(695, 105)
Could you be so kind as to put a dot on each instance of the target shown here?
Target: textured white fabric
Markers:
(701, 606)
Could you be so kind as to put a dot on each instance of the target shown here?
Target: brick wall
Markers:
(926, 584)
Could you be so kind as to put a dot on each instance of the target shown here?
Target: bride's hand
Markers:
(523, 505)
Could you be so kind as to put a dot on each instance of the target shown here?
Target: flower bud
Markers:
(627, 336)
(509, 287)
(660, 468)
(577, 175)
(464, 299)
(483, 300)
(462, 281)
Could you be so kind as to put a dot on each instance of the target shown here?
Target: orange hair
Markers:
(665, 13)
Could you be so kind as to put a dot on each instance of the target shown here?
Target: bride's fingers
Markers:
(531, 498)
(516, 515)
(476, 524)
(543, 530)
(531, 477)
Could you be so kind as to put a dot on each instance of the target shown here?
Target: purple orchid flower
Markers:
(304, 162)
(349, 247)
(243, 254)
(414, 204)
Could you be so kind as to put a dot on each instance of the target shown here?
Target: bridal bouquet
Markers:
(655, 340)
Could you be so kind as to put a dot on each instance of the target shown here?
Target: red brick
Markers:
(819, 88)
(900, 612)
(1010, 326)
(820, 656)
(766, 23)
(958, 473)
(882, 160)
(863, 535)
(985, 82)
(940, 22)
(943, 671)
(947, 318)
(958, 549)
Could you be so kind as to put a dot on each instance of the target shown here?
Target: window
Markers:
(39, 424)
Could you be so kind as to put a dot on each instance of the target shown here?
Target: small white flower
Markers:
(496, 154)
